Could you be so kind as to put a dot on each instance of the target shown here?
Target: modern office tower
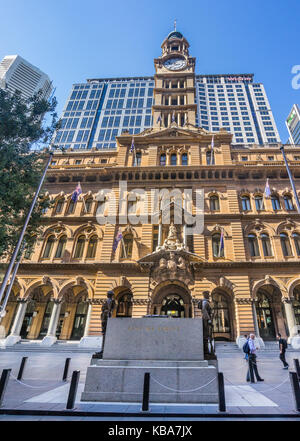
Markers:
(101, 109)
(18, 74)
(293, 125)
(247, 254)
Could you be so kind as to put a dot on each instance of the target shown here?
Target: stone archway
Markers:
(223, 315)
(73, 313)
(269, 311)
(172, 298)
(37, 303)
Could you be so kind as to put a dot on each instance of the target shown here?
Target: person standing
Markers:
(252, 361)
(282, 348)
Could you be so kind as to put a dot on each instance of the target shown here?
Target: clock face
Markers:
(175, 63)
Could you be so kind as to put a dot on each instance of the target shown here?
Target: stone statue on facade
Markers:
(107, 310)
(207, 318)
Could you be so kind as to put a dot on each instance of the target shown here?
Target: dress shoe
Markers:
(260, 379)
(286, 367)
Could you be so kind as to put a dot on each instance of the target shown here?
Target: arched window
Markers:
(126, 246)
(92, 246)
(59, 206)
(210, 159)
(88, 205)
(49, 247)
(296, 238)
(266, 245)
(214, 204)
(285, 245)
(259, 202)
(218, 250)
(100, 208)
(61, 247)
(172, 305)
(79, 247)
(71, 207)
(184, 159)
(253, 245)
(137, 159)
(162, 159)
(174, 159)
(246, 203)
(288, 202)
(275, 202)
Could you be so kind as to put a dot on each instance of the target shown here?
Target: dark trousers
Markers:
(252, 369)
(282, 358)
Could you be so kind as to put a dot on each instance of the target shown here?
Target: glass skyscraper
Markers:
(101, 109)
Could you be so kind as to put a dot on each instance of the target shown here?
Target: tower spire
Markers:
(175, 21)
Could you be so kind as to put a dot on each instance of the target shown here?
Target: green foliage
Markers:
(21, 127)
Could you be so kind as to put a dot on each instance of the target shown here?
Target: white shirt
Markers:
(252, 346)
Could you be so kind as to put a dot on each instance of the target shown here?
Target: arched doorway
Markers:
(223, 329)
(73, 313)
(124, 304)
(172, 299)
(296, 304)
(265, 315)
(37, 316)
(173, 306)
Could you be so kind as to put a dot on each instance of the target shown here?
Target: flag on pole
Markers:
(158, 119)
(132, 147)
(118, 238)
(76, 193)
(267, 189)
(221, 247)
(173, 116)
(212, 143)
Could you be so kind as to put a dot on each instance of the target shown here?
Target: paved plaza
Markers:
(42, 390)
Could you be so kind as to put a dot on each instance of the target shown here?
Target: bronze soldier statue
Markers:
(107, 310)
(207, 317)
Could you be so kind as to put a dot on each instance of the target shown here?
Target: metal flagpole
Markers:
(291, 178)
(16, 251)
(9, 288)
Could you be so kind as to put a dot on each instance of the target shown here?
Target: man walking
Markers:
(282, 348)
(252, 361)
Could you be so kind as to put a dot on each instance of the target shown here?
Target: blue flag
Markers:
(132, 147)
(76, 193)
(267, 189)
(118, 237)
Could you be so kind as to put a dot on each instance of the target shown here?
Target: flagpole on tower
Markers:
(291, 178)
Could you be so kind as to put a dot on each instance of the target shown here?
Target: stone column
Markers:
(256, 328)
(290, 317)
(14, 335)
(51, 338)
(88, 318)
(159, 233)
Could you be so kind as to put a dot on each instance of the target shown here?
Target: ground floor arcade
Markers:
(67, 308)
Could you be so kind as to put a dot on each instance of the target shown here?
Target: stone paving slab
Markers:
(273, 397)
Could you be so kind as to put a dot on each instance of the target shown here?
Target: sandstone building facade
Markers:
(157, 268)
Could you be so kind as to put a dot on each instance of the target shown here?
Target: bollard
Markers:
(145, 405)
(297, 367)
(3, 383)
(66, 369)
(73, 389)
(222, 403)
(296, 389)
(22, 366)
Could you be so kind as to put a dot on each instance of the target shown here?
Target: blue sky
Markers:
(72, 40)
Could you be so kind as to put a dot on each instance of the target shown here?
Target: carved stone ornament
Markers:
(172, 266)
(171, 243)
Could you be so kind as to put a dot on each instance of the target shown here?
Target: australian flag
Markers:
(221, 249)
(76, 193)
(118, 237)
(158, 119)
(132, 147)
(267, 189)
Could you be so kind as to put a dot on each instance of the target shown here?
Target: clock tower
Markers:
(174, 92)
